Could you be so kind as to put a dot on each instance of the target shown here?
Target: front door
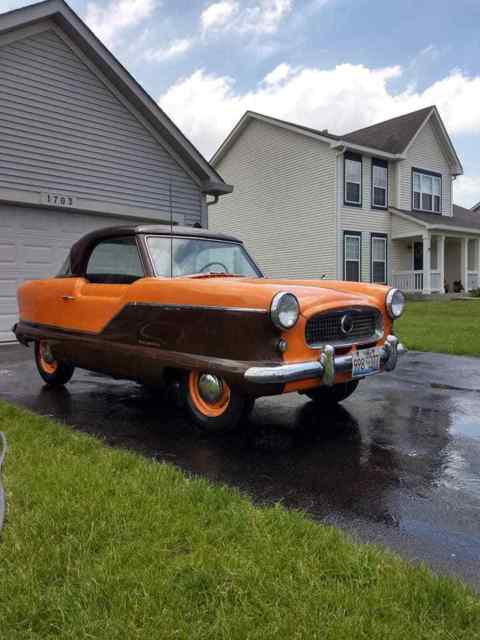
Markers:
(418, 256)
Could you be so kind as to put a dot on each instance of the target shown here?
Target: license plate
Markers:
(365, 362)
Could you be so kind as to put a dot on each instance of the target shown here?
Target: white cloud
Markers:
(110, 22)
(173, 50)
(341, 99)
(261, 17)
(466, 191)
(216, 15)
(280, 73)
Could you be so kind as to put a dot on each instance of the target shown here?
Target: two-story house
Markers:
(373, 205)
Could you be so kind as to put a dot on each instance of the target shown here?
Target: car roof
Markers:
(82, 249)
(157, 229)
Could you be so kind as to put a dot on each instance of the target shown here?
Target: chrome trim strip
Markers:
(192, 307)
(325, 368)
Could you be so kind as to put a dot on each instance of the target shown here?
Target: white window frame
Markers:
(383, 238)
(435, 178)
(358, 237)
(352, 158)
(383, 165)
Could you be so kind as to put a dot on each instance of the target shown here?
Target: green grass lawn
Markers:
(103, 544)
(445, 327)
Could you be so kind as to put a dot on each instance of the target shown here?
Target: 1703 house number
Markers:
(58, 200)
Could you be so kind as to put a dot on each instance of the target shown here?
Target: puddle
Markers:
(466, 425)
(467, 545)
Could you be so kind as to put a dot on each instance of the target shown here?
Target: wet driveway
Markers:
(397, 464)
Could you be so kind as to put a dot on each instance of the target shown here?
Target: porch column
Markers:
(427, 286)
(441, 261)
(464, 262)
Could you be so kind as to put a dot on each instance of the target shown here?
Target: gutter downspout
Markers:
(213, 202)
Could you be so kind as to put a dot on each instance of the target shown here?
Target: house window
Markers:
(427, 191)
(352, 255)
(378, 252)
(353, 179)
(379, 184)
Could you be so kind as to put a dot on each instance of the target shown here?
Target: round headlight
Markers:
(395, 302)
(284, 310)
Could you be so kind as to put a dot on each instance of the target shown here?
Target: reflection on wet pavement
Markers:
(398, 463)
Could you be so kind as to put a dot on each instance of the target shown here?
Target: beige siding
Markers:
(365, 219)
(426, 153)
(283, 204)
(402, 227)
(401, 256)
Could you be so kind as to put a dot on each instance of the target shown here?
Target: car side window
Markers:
(115, 261)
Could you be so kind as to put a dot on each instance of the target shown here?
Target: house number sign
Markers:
(59, 199)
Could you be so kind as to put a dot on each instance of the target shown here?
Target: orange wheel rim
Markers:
(46, 362)
(210, 409)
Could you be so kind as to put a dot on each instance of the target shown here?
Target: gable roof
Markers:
(61, 14)
(461, 219)
(391, 135)
(389, 139)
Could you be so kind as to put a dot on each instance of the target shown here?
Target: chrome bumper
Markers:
(325, 368)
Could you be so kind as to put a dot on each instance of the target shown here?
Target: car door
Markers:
(113, 266)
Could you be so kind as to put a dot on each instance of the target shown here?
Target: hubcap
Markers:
(46, 354)
(210, 387)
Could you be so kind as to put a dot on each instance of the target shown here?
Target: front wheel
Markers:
(53, 372)
(212, 404)
(333, 395)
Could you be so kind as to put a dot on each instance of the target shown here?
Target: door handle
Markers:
(68, 298)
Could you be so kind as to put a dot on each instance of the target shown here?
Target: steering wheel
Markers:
(210, 264)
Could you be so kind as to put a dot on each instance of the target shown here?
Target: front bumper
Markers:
(326, 368)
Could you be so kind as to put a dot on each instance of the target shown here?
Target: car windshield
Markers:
(193, 256)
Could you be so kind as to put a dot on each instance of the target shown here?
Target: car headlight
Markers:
(284, 310)
(395, 302)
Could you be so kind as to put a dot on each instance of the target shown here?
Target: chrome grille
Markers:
(327, 327)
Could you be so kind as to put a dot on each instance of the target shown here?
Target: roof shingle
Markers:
(464, 218)
(391, 135)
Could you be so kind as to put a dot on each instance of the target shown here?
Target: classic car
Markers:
(190, 308)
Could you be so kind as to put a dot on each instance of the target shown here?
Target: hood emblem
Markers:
(346, 324)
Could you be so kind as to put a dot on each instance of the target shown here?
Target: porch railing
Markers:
(435, 282)
(412, 281)
(408, 280)
(472, 280)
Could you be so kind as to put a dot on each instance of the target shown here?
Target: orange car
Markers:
(191, 307)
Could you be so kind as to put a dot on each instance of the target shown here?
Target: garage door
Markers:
(33, 245)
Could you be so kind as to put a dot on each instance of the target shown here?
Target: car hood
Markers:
(313, 295)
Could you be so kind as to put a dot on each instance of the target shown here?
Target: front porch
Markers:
(435, 263)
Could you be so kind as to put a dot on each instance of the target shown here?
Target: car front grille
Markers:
(326, 328)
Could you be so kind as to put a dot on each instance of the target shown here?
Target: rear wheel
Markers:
(333, 395)
(212, 404)
(53, 372)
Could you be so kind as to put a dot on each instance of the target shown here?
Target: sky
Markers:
(328, 64)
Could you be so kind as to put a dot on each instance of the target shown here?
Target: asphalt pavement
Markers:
(396, 464)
